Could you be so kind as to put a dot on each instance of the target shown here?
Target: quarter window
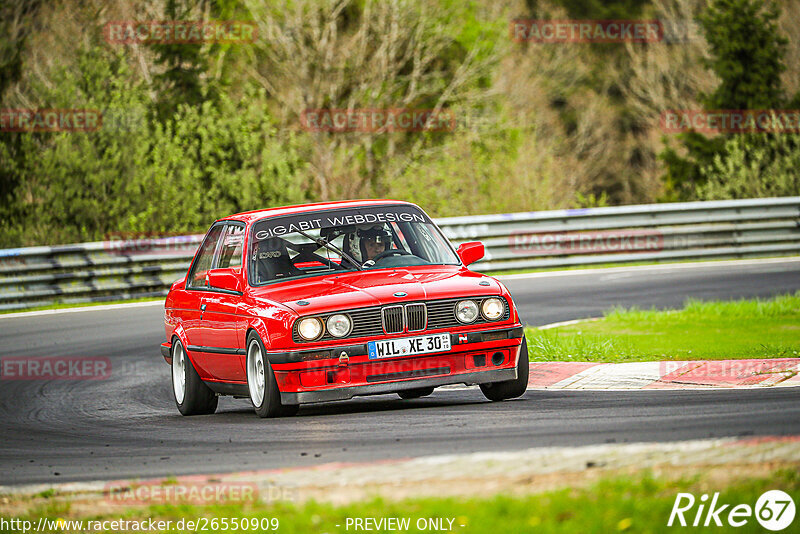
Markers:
(230, 255)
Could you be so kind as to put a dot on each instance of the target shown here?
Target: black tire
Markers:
(198, 399)
(415, 393)
(268, 402)
(510, 389)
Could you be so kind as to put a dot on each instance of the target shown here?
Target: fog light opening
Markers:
(479, 360)
(498, 358)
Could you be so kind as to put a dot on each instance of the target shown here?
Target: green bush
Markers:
(754, 166)
(140, 175)
(212, 160)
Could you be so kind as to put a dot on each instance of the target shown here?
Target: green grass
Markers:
(699, 331)
(640, 503)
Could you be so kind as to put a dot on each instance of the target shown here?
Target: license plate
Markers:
(408, 346)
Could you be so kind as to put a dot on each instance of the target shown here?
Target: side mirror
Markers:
(470, 252)
(225, 279)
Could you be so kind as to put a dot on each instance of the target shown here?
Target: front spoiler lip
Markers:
(345, 393)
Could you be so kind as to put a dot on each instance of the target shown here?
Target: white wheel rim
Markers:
(255, 373)
(179, 373)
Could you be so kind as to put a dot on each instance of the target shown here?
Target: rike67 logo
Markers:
(774, 510)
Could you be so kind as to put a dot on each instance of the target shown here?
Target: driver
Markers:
(369, 241)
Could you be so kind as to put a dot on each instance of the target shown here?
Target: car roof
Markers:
(250, 216)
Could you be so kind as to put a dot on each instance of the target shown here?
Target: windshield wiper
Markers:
(330, 246)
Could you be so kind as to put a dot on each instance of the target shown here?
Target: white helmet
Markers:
(355, 240)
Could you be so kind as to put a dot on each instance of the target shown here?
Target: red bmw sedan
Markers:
(324, 302)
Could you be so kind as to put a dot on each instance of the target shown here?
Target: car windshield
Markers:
(320, 242)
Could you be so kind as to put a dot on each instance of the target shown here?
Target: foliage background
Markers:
(195, 132)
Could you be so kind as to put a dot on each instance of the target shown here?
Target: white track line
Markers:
(567, 323)
(83, 309)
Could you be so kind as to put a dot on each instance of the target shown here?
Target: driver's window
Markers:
(205, 258)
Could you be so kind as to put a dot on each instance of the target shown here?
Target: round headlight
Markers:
(309, 328)
(492, 309)
(339, 325)
(466, 311)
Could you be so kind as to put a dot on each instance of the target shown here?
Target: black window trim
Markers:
(217, 249)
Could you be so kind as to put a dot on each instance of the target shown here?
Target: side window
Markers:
(230, 254)
(431, 243)
(205, 258)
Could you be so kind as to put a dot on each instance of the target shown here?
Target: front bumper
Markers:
(318, 375)
(345, 371)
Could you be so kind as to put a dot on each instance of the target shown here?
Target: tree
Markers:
(71, 185)
(186, 75)
(747, 56)
(16, 22)
(371, 54)
(144, 175)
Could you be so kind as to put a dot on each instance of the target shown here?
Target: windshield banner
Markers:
(306, 222)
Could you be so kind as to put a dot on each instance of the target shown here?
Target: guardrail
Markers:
(127, 269)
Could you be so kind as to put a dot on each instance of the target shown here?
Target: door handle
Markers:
(203, 307)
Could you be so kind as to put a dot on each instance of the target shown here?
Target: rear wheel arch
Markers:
(182, 339)
(192, 396)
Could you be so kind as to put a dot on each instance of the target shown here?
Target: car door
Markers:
(196, 289)
(222, 327)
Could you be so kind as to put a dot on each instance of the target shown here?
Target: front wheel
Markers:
(191, 396)
(510, 389)
(263, 388)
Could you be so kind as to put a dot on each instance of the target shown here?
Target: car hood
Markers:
(374, 288)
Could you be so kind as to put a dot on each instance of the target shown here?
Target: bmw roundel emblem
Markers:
(401, 294)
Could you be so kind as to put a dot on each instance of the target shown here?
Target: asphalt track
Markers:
(127, 426)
